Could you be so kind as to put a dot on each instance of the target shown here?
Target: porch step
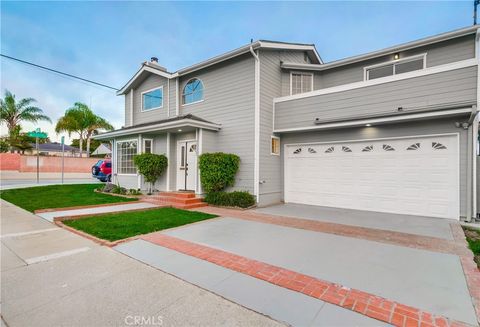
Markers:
(181, 200)
(178, 194)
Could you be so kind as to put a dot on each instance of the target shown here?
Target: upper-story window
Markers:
(152, 99)
(395, 67)
(193, 91)
(301, 83)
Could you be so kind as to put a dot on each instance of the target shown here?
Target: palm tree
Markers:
(82, 120)
(12, 112)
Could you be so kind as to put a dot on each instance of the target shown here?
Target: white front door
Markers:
(417, 176)
(186, 165)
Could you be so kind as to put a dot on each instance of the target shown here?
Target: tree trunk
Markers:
(80, 143)
(88, 146)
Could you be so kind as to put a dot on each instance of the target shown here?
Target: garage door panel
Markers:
(414, 176)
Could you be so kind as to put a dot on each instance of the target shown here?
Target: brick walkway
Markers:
(355, 300)
(458, 246)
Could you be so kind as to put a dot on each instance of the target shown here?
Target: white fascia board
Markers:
(144, 68)
(217, 59)
(382, 120)
(402, 47)
(383, 80)
(287, 46)
(159, 127)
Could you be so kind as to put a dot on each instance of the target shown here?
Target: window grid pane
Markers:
(153, 99)
(147, 146)
(301, 83)
(193, 91)
(125, 152)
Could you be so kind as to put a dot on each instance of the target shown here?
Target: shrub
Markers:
(240, 199)
(118, 190)
(133, 191)
(217, 170)
(151, 166)
(108, 187)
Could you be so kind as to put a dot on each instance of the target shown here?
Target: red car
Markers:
(103, 170)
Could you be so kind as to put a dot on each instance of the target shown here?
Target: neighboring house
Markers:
(54, 149)
(394, 130)
(102, 149)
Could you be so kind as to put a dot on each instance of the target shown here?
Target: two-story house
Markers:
(393, 130)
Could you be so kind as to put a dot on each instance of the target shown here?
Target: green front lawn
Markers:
(58, 196)
(473, 239)
(117, 226)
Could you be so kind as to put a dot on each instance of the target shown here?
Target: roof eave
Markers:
(390, 50)
(158, 127)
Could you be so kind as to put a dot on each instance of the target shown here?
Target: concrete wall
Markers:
(23, 163)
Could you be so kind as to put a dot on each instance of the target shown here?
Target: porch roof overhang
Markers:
(165, 125)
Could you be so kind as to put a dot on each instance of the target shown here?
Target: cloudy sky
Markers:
(107, 41)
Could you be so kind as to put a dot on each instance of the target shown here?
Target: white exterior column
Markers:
(169, 186)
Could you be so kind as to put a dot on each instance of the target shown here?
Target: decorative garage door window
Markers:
(438, 146)
(414, 146)
(356, 148)
(388, 147)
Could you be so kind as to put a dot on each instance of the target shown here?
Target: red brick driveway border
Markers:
(358, 301)
(458, 246)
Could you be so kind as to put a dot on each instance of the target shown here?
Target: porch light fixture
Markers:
(396, 56)
(368, 125)
(179, 130)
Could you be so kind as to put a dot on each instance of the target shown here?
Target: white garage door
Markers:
(417, 176)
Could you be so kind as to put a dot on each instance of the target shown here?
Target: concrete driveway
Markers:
(51, 277)
(428, 278)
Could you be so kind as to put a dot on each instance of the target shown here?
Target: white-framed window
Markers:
(398, 66)
(275, 146)
(300, 82)
(152, 99)
(126, 150)
(147, 146)
(192, 91)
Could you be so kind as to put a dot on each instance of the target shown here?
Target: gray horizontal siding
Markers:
(437, 54)
(272, 83)
(172, 98)
(439, 126)
(128, 110)
(229, 100)
(139, 116)
(442, 88)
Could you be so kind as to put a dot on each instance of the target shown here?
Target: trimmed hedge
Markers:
(217, 170)
(240, 199)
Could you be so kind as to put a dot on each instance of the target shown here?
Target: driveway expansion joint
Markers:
(355, 300)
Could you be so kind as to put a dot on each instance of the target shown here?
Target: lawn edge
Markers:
(59, 222)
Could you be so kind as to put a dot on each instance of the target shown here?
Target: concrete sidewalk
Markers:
(51, 277)
(136, 205)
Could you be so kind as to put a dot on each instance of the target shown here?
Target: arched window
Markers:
(193, 91)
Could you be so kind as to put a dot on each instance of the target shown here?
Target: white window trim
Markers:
(150, 90)
(116, 154)
(279, 146)
(394, 62)
(143, 144)
(183, 92)
(302, 73)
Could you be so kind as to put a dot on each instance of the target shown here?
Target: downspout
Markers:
(256, 156)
